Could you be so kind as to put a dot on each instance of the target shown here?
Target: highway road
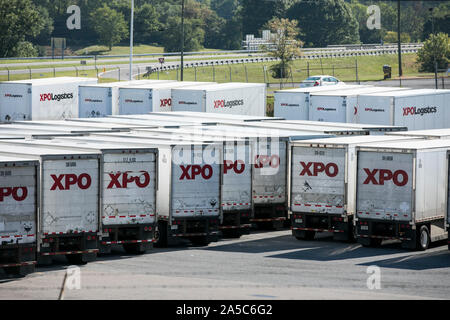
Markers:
(262, 265)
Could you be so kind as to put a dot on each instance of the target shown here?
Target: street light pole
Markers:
(182, 39)
(434, 50)
(400, 71)
(131, 39)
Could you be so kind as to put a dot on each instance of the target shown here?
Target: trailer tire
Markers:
(231, 233)
(135, 248)
(161, 235)
(304, 235)
(373, 243)
(76, 259)
(200, 241)
(423, 238)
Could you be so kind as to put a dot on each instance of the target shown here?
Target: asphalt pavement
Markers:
(262, 265)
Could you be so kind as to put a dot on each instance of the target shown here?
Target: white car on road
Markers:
(315, 81)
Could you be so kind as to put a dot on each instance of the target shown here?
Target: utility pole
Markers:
(182, 39)
(434, 49)
(400, 71)
(131, 39)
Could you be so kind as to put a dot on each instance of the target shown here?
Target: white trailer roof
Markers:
(370, 127)
(56, 80)
(418, 144)
(357, 91)
(131, 122)
(236, 117)
(77, 124)
(35, 150)
(43, 128)
(421, 133)
(412, 92)
(83, 144)
(4, 159)
(324, 88)
(168, 85)
(224, 86)
(125, 83)
(352, 140)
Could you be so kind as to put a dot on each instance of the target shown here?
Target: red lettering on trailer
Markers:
(14, 192)
(115, 182)
(83, 181)
(166, 102)
(237, 166)
(386, 175)
(262, 160)
(206, 172)
(330, 169)
(219, 104)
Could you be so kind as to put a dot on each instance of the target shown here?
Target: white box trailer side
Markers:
(188, 195)
(236, 179)
(402, 192)
(18, 213)
(69, 200)
(227, 98)
(101, 100)
(415, 109)
(293, 104)
(41, 99)
(340, 105)
(323, 185)
(128, 191)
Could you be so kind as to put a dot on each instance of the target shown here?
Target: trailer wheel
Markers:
(423, 238)
(200, 241)
(351, 236)
(161, 239)
(135, 248)
(373, 242)
(231, 233)
(76, 259)
(304, 235)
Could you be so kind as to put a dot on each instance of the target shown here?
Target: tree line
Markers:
(26, 26)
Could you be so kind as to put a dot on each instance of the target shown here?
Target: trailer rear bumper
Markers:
(340, 225)
(18, 258)
(369, 229)
(127, 235)
(237, 219)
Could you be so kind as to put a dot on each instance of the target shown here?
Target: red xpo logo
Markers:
(418, 111)
(330, 169)
(262, 161)
(65, 181)
(166, 102)
(191, 171)
(120, 180)
(219, 104)
(237, 166)
(379, 176)
(17, 193)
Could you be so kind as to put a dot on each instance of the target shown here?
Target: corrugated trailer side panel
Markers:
(375, 110)
(431, 182)
(430, 111)
(70, 197)
(18, 201)
(385, 185)
(269, 172)
(188, 100)
(135, 101)
(318, 181)
(245, 101)
(129, 188)
(96, 101)
(15, 101)
(291, 106)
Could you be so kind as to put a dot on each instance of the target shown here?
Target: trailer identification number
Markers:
(71, 164)
(388, 158)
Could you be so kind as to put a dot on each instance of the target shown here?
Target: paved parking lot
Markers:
(262, 265)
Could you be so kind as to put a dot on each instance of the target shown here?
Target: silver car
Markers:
(315, 81)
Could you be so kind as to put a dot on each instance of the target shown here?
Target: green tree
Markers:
(325, 22)
(193, 35)
(284, 44)
(392, 37)
(109, 25)
(435, 46)
(18, 19)
(146, 23)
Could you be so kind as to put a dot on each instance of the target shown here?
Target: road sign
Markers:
(161, 60)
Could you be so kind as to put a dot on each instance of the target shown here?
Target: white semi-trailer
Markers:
(401, 192)
(41, 99)
(226, 98)
(19, 203)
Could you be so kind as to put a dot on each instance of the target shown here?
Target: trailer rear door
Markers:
(318, 180)
(385, 185)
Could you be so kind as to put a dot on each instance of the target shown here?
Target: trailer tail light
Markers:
(147, 228)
